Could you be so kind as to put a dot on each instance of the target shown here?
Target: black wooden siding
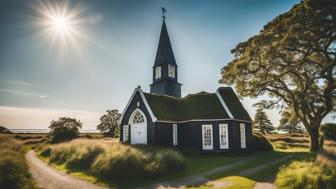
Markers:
(128, 113)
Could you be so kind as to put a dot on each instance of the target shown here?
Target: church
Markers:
(211, 122)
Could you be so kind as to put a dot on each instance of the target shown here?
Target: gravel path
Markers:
(47, 177)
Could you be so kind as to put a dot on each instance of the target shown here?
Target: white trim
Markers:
(210, 147)
(226, 146)
(125, 138)
(175, 138)
(193, 120)
(145, 102)
(223, 104)
(242, 133)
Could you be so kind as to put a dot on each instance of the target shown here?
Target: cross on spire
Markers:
(164, 10)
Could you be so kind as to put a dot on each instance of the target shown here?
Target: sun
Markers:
(60, 24)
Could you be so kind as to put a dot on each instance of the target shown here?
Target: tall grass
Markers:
(310, 174)
(13, 168)
(111, 160)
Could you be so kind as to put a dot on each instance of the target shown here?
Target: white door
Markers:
(138, 133)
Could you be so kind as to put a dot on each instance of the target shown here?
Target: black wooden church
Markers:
(211, 122)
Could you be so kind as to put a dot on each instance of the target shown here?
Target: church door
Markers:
(138, 126)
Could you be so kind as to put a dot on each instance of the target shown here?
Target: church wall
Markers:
(164, 134)
(190, 135)
(128, 113)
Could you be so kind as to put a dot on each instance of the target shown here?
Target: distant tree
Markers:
(109, 123)
(329, 130)
(64, 129)
(290, 122)
(262, 122)
(293, 61)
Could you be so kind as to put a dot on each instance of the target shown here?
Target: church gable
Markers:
(233, 103)
(137, 101)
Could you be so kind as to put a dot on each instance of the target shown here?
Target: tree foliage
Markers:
(64, 129)
(290, 122)
(292, 60)
(262, 122)
(329, 130)
(109, 123)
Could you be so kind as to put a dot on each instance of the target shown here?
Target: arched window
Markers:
(138, 118)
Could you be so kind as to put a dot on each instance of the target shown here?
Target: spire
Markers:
(164, 53)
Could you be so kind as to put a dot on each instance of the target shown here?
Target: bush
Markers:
(260, 142)
(329, 130)
(64, 129)
(169, 161)
(110, 160)
(13, 168)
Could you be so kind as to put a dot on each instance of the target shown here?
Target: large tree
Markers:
(262, 122)
(109, 123)
(292, 60)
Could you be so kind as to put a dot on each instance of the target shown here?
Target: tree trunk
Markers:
(314, 139)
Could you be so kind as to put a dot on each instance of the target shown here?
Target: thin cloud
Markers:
(23, 93)
(23, 83)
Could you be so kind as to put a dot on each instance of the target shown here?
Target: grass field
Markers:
(13, 168)
(243, 175)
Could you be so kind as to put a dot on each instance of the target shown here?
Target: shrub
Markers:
(111, 160)
(169, 161)
(260, 142)
(123, 164)
(64, 129)
(329, 130)
(13, 168)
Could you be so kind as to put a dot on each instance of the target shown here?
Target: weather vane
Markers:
(164, 10)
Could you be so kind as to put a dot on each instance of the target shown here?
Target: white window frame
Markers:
(175, 143)
(171, 71)
(125, 133)
(158, 72)
(223, 128)
(204, 128)
(242, 135)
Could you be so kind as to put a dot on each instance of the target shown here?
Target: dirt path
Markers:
(47, 177)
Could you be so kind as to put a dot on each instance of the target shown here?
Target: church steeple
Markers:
(165, 67)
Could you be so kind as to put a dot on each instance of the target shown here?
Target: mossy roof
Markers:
(202, 105)
(234, 104)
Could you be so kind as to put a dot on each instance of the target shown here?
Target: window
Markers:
(223, 136)
(171, 71)
(125, 136)
(174, 134)
(207, 137)
(158, 72)
(138, 118)
(242, 136)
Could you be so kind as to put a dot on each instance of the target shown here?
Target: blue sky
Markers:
(41, 80)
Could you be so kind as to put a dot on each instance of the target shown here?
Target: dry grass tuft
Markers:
(111, 160)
